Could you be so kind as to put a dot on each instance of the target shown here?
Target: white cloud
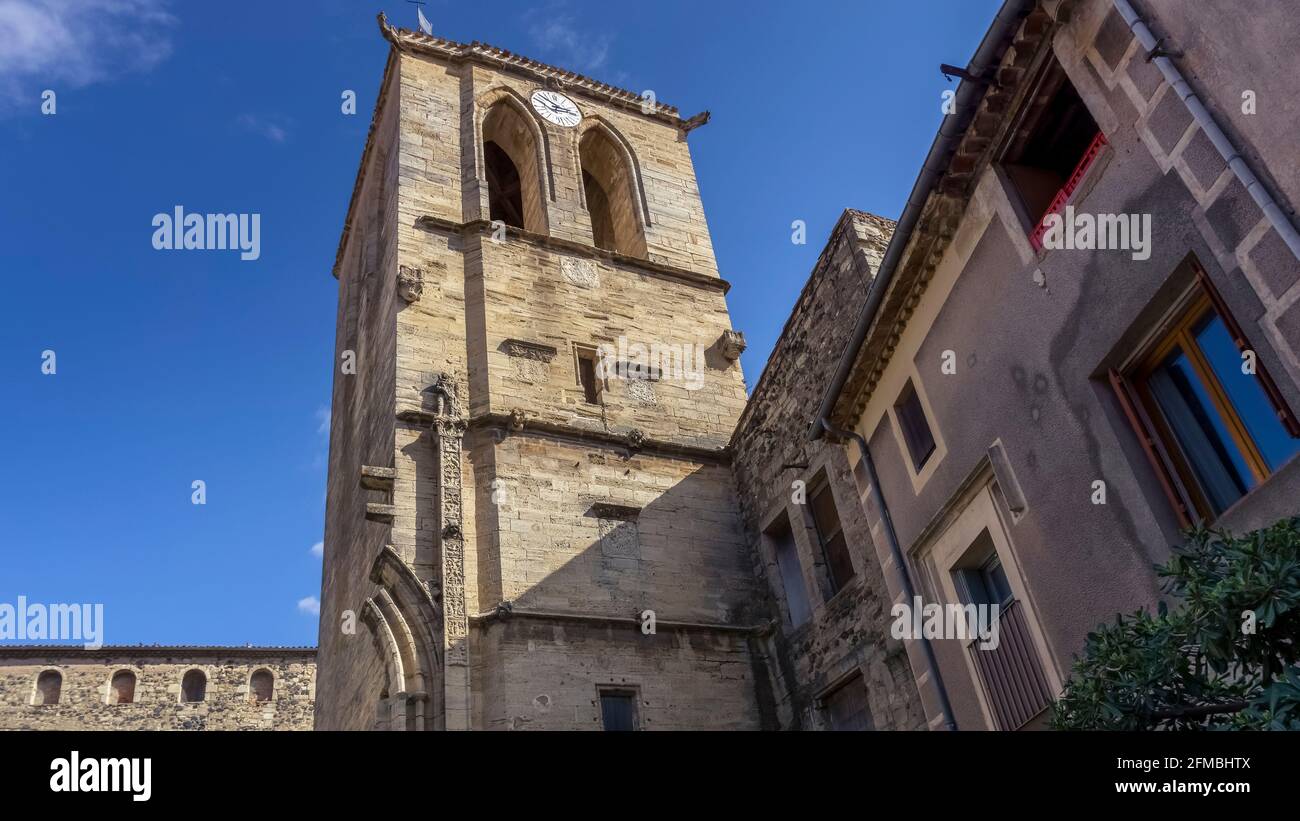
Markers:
(263, 127)
(318, 549)
(309, 605)
(322, 420)
(559, 39)
(58, 44)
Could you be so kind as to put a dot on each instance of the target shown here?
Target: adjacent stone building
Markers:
(156, 688)
(833, 664)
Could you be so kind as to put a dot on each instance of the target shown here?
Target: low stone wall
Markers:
(86, 694)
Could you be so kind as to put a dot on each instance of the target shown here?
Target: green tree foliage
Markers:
(1224, 658)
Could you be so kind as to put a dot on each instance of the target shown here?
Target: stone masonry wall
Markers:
(361, 433)
(849, 629)
(83, 702)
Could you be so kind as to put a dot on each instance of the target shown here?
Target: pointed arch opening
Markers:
(612, 195)
(512, 168)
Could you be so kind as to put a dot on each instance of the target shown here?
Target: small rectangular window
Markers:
(831, 535)
(587, 376)
(915, 428)
(846, 707)
(618, 710)
(787, 562)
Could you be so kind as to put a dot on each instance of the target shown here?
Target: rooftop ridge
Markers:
(26, 649)
(559, 77)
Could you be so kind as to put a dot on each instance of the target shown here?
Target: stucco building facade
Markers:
(1045, 418)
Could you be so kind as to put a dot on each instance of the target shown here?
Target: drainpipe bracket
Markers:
(1161, 51)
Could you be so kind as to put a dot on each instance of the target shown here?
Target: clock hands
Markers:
(556, 108)
(559, 109)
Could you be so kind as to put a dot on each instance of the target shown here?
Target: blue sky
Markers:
(177, 366)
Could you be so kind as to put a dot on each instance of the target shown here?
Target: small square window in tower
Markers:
(1051, 147)
(915, 429)
(618, 710)
(587, 375)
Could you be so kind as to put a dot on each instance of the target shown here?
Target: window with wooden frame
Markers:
(1208, 415)
(831, 535)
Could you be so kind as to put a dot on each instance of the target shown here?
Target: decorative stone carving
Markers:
(530, 350)
(580, 272)
(617, 526)
(642, 391)
(635, 437)
(452, 531)
(732, 344)
(619, 538)
(443, 389)
(517, 419)
(410, 283)
(532, 360)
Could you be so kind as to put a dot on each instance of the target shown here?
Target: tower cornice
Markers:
(407, 40)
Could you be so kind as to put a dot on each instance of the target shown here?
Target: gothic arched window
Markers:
(122, 688)
(261, 685)
(512, 169)
(194, 686)
(609, 184)
(49, 685)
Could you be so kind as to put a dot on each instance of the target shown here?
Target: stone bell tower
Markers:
(530, 517)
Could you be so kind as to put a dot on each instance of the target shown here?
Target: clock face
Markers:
(556, 108)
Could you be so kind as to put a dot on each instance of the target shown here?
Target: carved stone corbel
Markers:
(410, 283)
(518, 419)
(732, 344)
